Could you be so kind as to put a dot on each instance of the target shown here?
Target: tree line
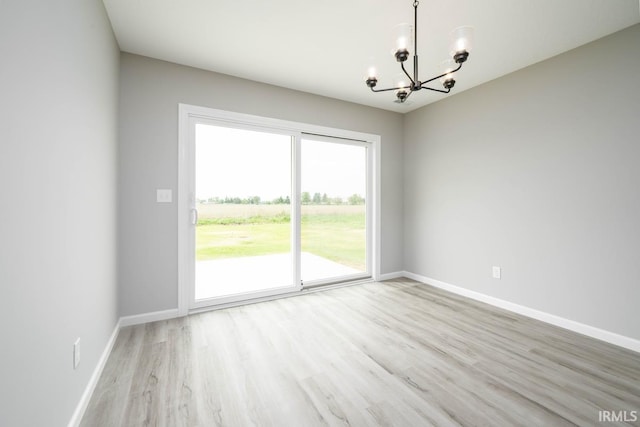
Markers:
(305, 198)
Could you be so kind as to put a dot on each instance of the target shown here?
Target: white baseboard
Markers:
(391, 276)
(93, 381)
(581, 328)
(154, 316)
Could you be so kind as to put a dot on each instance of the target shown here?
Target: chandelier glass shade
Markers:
(406, 44)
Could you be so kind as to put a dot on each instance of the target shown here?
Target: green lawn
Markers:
(339, 237)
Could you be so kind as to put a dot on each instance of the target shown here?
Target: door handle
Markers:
(194, 216)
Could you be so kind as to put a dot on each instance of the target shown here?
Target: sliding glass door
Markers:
(266, 208)
(243, 233)
(333, 210)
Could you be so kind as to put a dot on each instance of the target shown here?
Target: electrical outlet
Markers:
(497, 272)
(76, 354)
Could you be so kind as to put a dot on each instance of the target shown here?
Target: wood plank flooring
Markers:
(396, 353)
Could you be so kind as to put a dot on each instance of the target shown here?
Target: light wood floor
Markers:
(394, 353)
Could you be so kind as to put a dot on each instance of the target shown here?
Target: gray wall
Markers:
(58, 129)
(537, 172)
(149, 96)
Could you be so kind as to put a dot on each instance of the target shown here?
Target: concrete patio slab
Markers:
(230, 276)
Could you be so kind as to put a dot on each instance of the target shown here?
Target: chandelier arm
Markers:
(442, 75)
(391, 88)
(407, 74)
(436, 90)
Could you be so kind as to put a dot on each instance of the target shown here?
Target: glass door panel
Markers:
(333, 211)
(243, 199)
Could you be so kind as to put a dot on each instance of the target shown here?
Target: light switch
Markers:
(163, 196)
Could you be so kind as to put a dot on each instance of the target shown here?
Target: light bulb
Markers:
(462, 40)
(446, 67)
(448, 79)
(403, 36)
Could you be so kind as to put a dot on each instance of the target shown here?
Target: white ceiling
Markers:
(324, 46)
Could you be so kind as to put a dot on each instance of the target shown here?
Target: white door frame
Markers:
(188, 114)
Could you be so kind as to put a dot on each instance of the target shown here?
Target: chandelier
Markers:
(404, 88)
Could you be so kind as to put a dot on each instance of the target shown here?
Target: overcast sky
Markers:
(241, 163)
